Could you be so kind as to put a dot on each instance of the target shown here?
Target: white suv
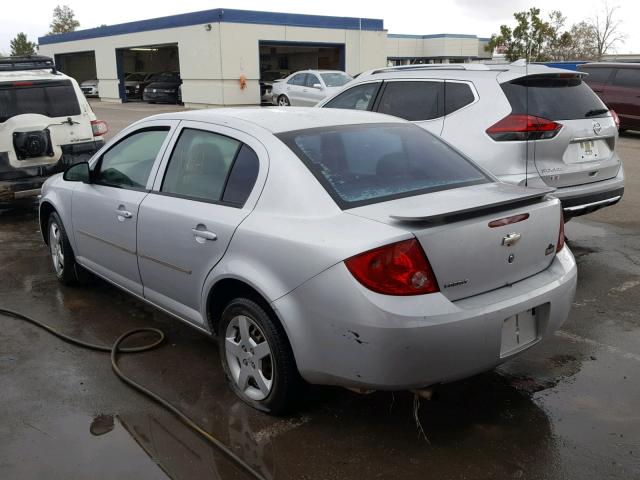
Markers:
(46, 125)
(528, 124)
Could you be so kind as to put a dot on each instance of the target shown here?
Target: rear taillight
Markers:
(99, 127)
(616, 118)
(397, 269)
(523, 127)
(560, 244)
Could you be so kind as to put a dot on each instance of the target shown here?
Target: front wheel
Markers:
(283, 101)
(257, 358)
(67, 270)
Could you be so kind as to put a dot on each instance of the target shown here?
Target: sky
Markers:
(475, 17)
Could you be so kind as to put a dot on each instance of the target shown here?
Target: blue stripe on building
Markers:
(215, 16)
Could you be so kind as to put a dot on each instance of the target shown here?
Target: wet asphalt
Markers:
(568, 408)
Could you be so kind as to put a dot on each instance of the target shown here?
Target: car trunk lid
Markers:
(468, 256)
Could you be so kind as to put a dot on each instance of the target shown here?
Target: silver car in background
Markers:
(90, 88)
(528, 124)
(307, 88)
(339, 247)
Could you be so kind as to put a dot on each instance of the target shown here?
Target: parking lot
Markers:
(567, 408)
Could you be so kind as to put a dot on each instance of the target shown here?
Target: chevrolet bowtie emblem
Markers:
(510, 239)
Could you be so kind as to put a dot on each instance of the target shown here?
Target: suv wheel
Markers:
(283, 101)
(257, 358)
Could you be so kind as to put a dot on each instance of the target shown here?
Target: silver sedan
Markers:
(335, 247)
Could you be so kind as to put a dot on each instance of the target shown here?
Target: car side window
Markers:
(298, 79)
(242, 177)
(596, 75)
(627, 77)
(413, 100)
(311, 80)
(211, 167)
(456, 96)
(360, 97)
(128, 163)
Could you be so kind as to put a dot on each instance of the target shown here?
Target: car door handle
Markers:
(205, 234)
(124, 213)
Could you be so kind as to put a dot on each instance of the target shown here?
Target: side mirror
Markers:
(79, 172)
(318, 86)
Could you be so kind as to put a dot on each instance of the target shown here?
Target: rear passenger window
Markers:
(311, 80)
(211, 167)
(360, 97)
(627, 77)
(242, 177)
(456, 96)
(299, 79)
(413, 100)
(596, 75)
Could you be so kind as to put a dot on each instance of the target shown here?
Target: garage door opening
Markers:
(78, 65)
(280, 59)
(155, 66)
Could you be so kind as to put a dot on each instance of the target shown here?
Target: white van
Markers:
(46, 125)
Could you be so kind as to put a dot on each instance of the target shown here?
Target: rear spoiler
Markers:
(447, 216)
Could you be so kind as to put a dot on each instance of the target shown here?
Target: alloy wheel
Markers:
(249, 358)
(55, 246)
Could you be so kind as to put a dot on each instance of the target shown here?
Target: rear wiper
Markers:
(597, 111)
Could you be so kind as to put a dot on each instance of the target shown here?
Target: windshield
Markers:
(136, 77)
(52, 99)
(167, 77)
(555, 97)
(335, 79)
(370, 163)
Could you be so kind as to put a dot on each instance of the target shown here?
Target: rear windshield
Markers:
(371, 163)
(53, 99)
(335, 79)
(555, 97)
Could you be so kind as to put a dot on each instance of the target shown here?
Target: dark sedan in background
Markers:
(165, 88)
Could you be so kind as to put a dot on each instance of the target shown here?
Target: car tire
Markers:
(257, 358)
(283, 101)
(65, 267)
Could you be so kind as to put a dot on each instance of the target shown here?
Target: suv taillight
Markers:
(400, 268)
(523, 127)
(616, 118)
(99, 128)
(560, 244)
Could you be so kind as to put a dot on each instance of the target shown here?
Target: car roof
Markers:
(458, 71)
(611, 64)
(281, 119)
(20, 75)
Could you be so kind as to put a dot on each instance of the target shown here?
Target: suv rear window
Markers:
(371, 163)
(555, 97)
(53, 99)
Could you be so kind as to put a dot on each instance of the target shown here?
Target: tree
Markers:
(527, 40)
(607, 30)
(21, 46)
(63, 20)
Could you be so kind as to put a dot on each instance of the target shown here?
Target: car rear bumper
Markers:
(587, 198)
(343, 334)
(20, 183)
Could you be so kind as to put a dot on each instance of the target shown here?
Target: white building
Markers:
(222, 54)
(439, 48)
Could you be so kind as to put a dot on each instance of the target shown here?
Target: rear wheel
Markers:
(257, 358)
(283, 101)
